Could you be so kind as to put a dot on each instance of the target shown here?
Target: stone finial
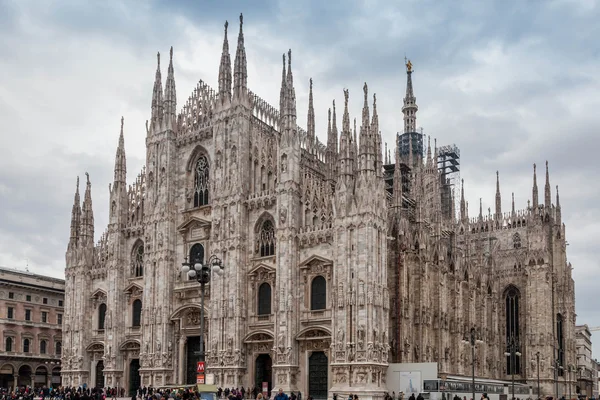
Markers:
(171, 54)
(346, 95)
(158, 59)
(241, 19)
(226, 26)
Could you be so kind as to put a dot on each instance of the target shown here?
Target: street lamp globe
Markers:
(192, 273)
(198, 266)
(185, 268)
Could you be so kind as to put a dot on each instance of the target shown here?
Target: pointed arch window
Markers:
(136, 319)
(197, 253)
(517, 241)
(318, 293)
(201, 182)
(9, 344)
(58, 348)
(26, 344)
(137, 259)
(101, 316)
(264, 299)
(43, 345)
(266, 239)
(512, 304)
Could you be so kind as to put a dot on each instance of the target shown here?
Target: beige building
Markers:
(587, 372)
(31, 314)
(339, 258)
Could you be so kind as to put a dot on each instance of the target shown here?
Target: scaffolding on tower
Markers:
(448, 163)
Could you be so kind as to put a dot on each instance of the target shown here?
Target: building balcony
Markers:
(33, 324)
(315, 315)
(134, 331)
(261, 320)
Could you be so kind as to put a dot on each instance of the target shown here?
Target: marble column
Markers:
(182, 341)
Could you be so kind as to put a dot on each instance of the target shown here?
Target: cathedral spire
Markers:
(282, 92)
(377, 139)
(87, 217)
(170, 94)
(225, 70)
(480, 209)
(498, 197)
(410, 102)
(428, 162)
(75, 218)
(535, 189)
(365, 154)
(558, 210)
(513, 212)
(120, 160)
(547, 193)
(311, 120)
(332, 145)
(240, 84)
(345, 162)
(291, 95)
(157, 94)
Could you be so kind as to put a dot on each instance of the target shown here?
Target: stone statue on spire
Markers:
(226, 26)
(346, 94)
(241, 19)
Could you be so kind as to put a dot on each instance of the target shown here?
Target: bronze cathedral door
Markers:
(317, 375)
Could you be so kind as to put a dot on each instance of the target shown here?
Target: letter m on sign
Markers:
(200, 367)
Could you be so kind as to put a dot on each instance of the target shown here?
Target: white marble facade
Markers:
(330, 273)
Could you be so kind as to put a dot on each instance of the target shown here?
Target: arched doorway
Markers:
(134, 376)
(100, 374)
(7, 378)
(193, 355)
(41, 374)
(317, 375)
(25, 373)
(263, 371)
(56, 381)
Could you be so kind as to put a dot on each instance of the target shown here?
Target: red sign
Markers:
(265, 388)
(200, 379)
(200, 367)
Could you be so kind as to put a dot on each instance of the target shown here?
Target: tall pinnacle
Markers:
(410, 102)
(87, 217)
(365, 149)
(311, 119)
(170, 92)
(157, 94)
(498, 197)
(240, 84)
(282, 92)
(75, 218)
(225, 70)
(535, 189)
(547, 194)
(120, 161)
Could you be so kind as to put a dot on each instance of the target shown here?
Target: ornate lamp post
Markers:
(513, 352)
(473, 341)
(201, 272)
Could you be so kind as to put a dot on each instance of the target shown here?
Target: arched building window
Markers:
(318, 293)
(201, 182)
(512, 304)
(26, 343)
(197, 253)
(58, 348)
(517, 241)
(101, 316)
(561, 342)
(266, 239)
(9, 344)
(264, 299)
(43, 345)
(137, 259)
(136, 309)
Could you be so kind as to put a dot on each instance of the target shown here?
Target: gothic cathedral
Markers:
(337, 259)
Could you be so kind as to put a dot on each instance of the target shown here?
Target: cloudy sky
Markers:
(510, 82)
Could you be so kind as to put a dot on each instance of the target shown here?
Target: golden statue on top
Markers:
(408, 65)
